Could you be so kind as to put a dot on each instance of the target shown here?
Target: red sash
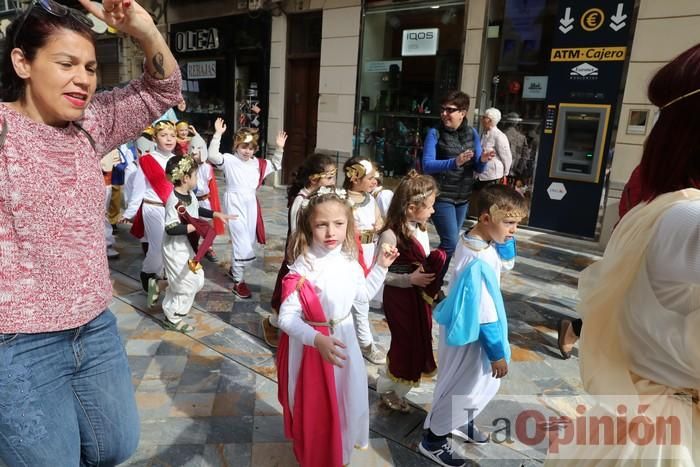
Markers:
(366, 268)
(156, 177)
(314, 426)
(259, 224)
(202, 229)
(214, 201)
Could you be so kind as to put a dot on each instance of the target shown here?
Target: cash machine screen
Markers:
(579, 141)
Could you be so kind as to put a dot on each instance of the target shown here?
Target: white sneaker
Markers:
(374, 355)
(153, 292)
(112, 253)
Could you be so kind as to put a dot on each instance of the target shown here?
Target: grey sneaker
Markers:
(374, 355)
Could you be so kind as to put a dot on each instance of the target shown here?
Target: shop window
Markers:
(411, 57)
(514, 77)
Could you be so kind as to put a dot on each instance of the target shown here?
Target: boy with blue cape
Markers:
(473, 352)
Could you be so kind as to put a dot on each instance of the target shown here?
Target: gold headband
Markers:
(246, 136)
(328, 173)
(688, 94)
(184, 167)
(359, 169)
(497, 214)
(420, 197)
(163, 125)
(182, 124)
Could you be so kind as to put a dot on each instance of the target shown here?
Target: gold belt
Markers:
(155, 203)
(367, 236)
(331, 323)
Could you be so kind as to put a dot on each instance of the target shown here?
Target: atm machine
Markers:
(579, 142)
(587, 62)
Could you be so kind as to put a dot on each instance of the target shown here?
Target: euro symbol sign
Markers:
(592, 19)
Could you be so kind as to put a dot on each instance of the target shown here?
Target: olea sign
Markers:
(420, 42)
(197, 40)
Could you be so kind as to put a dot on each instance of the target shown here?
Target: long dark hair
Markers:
(671, 158)
(314, 164)
(34, 34)
(413, 189)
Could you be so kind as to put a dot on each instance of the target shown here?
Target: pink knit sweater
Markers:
(53, 266)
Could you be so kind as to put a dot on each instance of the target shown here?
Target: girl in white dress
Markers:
(184, 279)
(359, 175)
(244, 174)
(325, 252)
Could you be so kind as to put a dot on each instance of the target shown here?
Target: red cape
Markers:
(314, 424)
(156, 177)
(215, 202)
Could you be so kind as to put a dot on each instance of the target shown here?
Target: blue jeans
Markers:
(448, 219)
(66, 397)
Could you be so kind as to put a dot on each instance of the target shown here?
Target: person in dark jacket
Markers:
(451, 153)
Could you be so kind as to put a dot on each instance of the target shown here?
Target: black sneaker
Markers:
(144, 280)
(441, 452)
(471, 434)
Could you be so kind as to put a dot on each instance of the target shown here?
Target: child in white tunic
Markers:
(316, 171)
(150, 192)
(184, 279)
(244, 174)
(325, 252)
(359, 175)
(473, 349)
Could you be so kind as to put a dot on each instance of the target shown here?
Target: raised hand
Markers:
(281, 139)
(126, 16)
(219, 126)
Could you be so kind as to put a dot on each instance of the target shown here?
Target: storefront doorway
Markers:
(301, 92)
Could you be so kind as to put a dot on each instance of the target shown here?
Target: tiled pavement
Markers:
(210, 399)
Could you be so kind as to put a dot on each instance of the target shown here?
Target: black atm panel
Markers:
(579, 140)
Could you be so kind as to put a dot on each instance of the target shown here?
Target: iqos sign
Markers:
(419, 42)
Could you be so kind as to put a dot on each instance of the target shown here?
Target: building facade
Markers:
(568, 76)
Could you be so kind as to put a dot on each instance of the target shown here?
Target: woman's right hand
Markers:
(126, 16)
(328, 347)
(420, 278)
(464, 157)
(219, 126)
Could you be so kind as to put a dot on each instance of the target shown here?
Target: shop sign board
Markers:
(535, 87)
(197, 40)
(419, 42)
(201, 70)
(593, 54)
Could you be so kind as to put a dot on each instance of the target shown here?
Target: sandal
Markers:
(394, 402)
(180, 326)
(563, 328)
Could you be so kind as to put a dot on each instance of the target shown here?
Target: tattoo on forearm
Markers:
(158, 70)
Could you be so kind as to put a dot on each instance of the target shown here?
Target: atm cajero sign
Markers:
(419, 42)
(197, 40)
(597, 54)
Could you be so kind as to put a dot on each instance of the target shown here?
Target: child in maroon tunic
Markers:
(410, 287)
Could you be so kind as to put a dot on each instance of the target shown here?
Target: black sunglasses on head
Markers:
(51, 7)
